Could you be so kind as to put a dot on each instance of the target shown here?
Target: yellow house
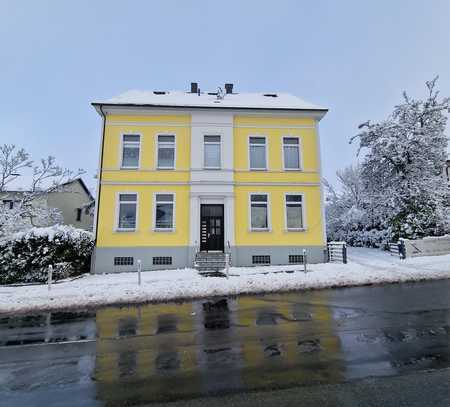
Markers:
(187, 175)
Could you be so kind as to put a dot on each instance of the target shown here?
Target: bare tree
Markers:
(29, 206)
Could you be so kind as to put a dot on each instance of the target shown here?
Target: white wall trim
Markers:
(322, 195)
(300, 184)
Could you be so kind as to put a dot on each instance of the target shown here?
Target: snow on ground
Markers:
(366, 266)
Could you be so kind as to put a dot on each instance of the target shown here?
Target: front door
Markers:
(211, 228)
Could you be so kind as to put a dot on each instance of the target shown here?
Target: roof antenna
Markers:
(220, 94)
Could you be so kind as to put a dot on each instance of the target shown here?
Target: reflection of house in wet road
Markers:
(171, 351)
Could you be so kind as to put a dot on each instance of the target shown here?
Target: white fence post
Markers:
(50, 277)
(304, 260)
(139, 264)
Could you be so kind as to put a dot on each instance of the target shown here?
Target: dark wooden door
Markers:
(211, 227)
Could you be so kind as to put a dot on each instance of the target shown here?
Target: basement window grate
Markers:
(296, 259)
(123, 261)
(162, 260)
(261, 259)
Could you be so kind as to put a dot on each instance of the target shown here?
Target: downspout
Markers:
(99, 187)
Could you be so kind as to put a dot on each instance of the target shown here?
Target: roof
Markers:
(280, 101)
(79, 179)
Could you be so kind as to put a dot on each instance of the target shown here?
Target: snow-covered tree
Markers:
(401, 170)
(29, 206)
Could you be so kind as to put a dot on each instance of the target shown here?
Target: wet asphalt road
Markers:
(230, 347)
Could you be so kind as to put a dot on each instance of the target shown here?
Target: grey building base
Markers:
(103, 258)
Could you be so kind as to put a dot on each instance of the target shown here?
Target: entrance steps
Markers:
(210, 261)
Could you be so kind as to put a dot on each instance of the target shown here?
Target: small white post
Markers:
(139, 263)
(227, 264)
(50, 277)
(304, 260)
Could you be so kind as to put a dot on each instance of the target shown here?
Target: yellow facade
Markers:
(148, 180)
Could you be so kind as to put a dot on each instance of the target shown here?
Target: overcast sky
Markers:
(354, 57)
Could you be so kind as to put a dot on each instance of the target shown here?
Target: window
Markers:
(123, 261)
(131, 145)
(211, 149)
(261, 259)
(162, 260)
(166, 152)
(291, 153)
(164, 216)
(257, 152)
(295, 259)
(8, 203)
(127, 212)
(79, 211)
(294, 212)
(259, 212)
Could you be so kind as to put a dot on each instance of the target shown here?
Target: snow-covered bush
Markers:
(25, 257)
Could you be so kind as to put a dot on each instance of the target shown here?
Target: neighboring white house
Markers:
(75, 203)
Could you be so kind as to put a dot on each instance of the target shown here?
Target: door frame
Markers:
(222, 240)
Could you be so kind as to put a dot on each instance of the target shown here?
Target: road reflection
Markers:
(171, 351)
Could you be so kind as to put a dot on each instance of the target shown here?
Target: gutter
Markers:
(99, 188)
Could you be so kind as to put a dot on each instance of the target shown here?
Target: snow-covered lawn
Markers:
(366, 266)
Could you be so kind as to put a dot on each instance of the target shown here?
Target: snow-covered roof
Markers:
(211, 100)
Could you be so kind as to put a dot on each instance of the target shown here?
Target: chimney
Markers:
(228, 88)
(194, 87)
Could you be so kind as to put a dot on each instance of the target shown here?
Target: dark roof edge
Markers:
(282, 109)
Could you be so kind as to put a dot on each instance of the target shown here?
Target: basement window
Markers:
(270, 95)
(162, 260)
(123, 261)
(159, 92)
(261, 259)
(295, 259)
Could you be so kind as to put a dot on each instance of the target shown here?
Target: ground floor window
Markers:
(127, 211)
(259, 211)
(164, 211)
(294, 211)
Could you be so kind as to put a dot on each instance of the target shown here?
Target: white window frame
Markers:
(174, 152)
(213, 143)
(300, 155)
(269, 217)
(303, 228)
(117, 211)
(173, 228)
(266, 148)
(122, 144)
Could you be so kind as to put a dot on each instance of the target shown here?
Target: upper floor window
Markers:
(291, 153)
(257, 153)
(294, 212)
(164, 211)
(127, 211)
(166, 152)
(259, 211)
(211, 149)
(131, 145)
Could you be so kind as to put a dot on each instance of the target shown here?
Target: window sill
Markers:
(212, 168)
(125, 230)
(296, 230)
(159, 230)
(165, 168)
(293, 169)
(260, 230)
(129, 168)
(257, 169)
